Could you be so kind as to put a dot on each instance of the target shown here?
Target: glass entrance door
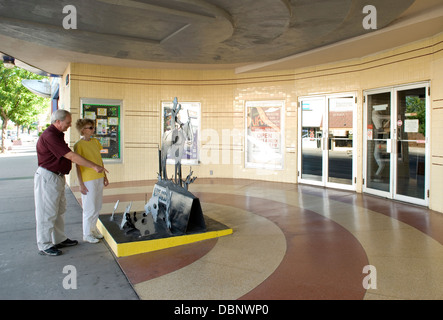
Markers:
(311, 146)
(326, 141)
(410, 156)
(340, 140)
(396, 145)
(378, 145)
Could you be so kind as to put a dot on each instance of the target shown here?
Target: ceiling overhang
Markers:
(245, 36)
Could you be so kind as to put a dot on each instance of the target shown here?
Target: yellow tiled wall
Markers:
(223, 94)
(436, 181)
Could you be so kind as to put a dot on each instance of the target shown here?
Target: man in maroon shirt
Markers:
(54, 162)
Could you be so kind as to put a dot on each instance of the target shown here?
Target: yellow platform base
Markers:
(135, 247)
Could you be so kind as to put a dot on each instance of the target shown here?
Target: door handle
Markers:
(392, 146)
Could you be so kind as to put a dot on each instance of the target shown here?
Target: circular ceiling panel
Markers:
(192, 31)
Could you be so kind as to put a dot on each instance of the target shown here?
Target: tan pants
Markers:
(50, 208)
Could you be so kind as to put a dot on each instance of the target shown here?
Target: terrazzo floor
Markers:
(291, 242)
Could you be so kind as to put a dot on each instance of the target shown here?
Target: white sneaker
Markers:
(90, 239)
(97, 234)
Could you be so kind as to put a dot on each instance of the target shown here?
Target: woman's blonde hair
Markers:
(81, 123)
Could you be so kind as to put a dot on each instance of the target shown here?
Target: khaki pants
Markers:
(50, 208)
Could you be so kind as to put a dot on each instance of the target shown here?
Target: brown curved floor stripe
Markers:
(423, 219)
(146, 266)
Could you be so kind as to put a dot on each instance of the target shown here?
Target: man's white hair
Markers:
(59, 114)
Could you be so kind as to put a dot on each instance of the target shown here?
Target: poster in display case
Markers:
(264, 134)
(190, 111)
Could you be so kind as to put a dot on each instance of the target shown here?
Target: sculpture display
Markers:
(172, 210)
(174, 141)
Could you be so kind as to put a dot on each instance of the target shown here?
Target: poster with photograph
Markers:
(107, 125)
(90, 115)
(189, 111)
(264, 134)
(113, 121)
(101, 127)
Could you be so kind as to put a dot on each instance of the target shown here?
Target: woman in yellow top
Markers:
(91, 182)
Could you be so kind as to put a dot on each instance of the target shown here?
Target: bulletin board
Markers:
(107, 126)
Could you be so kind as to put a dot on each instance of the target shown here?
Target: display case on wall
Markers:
(107, 117)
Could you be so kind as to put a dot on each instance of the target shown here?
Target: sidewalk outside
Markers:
(25, 274)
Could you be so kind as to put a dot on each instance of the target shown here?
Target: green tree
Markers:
(18, 104)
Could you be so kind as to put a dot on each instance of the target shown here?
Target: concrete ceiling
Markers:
(247, 35)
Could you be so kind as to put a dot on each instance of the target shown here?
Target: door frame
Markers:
(324, 141)
(392, 193)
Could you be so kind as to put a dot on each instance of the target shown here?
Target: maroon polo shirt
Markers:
(51, 148)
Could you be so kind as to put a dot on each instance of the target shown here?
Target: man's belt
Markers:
(55, 172)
